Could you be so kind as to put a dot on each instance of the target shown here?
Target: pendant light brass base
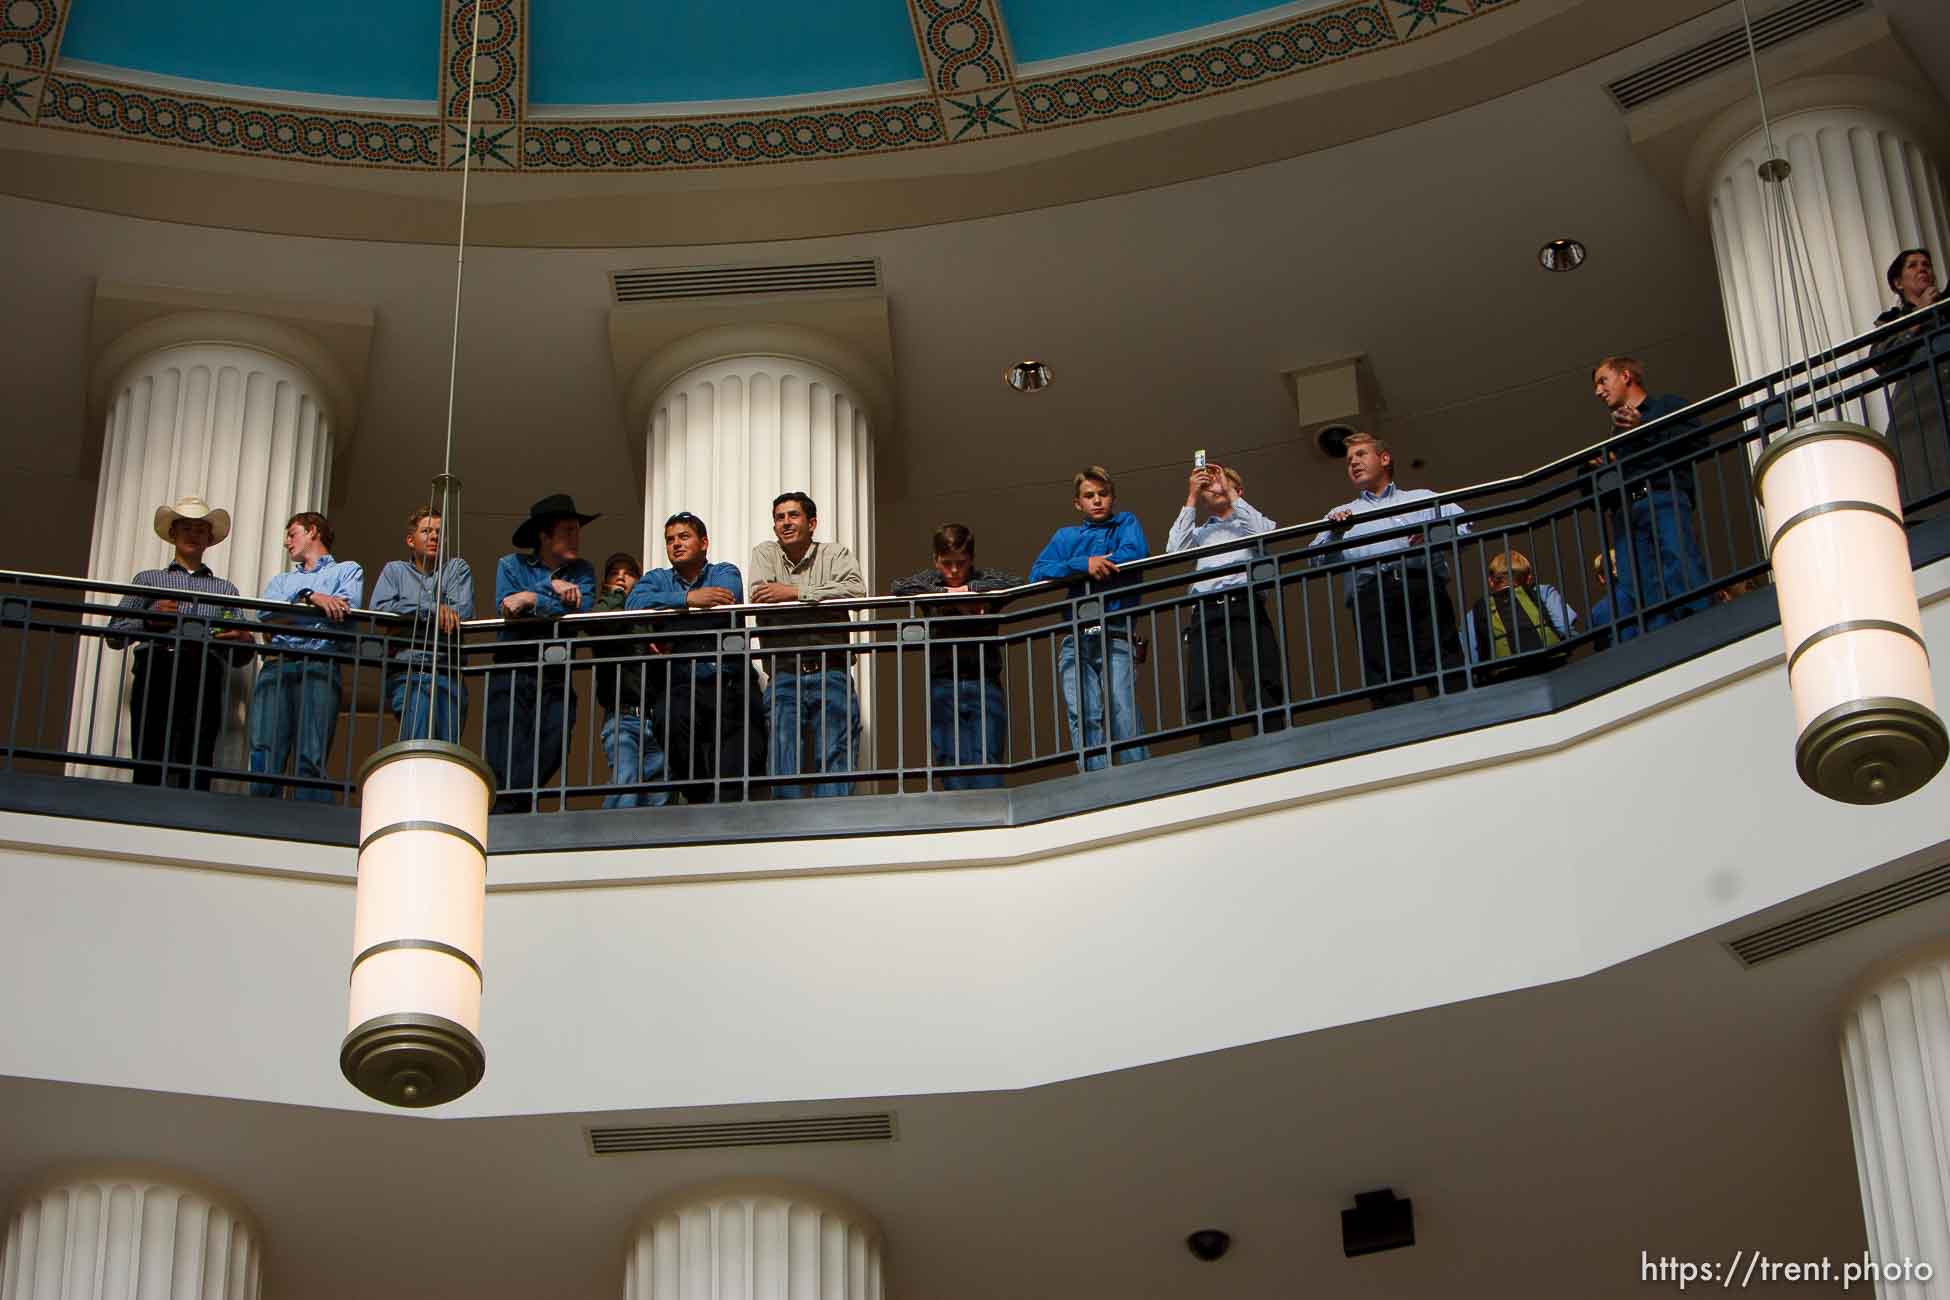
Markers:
(412, 1060)
(1872, 751)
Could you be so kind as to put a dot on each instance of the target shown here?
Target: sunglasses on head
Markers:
(685, 517)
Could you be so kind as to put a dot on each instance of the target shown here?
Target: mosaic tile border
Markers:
(976, 94)
(961, 44)
(202, 122)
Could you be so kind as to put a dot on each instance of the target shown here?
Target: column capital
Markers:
(332, 342)
(91, 1233)
(729, 342)
(744, 1240)
(1914, 110)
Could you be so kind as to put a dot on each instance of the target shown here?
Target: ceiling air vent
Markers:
(1823, 922)
(676, 283)
(1726, 49)
(755, 1133)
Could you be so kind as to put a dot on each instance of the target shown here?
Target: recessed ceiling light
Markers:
(1028, 376)
(1561, 255)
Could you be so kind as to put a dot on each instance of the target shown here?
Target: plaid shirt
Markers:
(174, 578)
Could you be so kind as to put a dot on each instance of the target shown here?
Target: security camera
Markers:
(1208, 1244)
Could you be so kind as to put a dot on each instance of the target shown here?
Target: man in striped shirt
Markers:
(176, 696)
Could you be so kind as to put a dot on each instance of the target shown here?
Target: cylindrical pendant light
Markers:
(414, 1032)
(1857, 663)
(414, 1035)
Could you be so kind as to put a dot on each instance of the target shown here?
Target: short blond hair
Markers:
(1364, 437)
(1097, 472)
(1235, 478)
(1516, 564)
(1604, 564)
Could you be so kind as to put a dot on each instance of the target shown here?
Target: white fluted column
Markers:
(1896, 1064)
(236, 409)
(1865, 186)
(728, 435)
(753, 1243)
(117, 1236)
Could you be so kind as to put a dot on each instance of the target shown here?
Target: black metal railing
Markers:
(921, 694)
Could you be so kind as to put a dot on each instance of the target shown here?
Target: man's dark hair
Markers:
(422, 512)
(812, 511)
(1896, 267)
(314, 521)
(690, 521)
(954, 537)
(622, 560)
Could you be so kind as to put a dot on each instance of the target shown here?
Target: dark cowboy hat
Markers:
(545, 512)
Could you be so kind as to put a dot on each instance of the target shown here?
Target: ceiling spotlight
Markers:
(1333, 439)
(1561, 255)
(1028, 376)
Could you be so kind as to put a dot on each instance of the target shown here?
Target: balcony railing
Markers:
(1007, 688)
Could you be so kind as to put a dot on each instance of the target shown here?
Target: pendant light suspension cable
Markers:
(444, 487)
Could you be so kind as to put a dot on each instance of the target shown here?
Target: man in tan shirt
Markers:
(815, 713)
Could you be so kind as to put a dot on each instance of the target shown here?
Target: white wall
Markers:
(972, 960)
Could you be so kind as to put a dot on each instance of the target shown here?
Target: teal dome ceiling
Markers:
(596, 52)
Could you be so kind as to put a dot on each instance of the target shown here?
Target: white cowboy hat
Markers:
(193, 507)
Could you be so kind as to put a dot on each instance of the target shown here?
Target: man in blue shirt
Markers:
(1659, 556)
(707, 702)
(1404, 621)
(531, 712)
(295, 703)
(428, 704)
(1105, 671)
(1230, 630)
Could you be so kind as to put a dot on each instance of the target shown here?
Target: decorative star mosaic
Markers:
(16, 99)
(1426, 11)
(490, 147)
(987, 114)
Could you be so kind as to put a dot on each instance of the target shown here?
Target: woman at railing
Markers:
(1915, 397)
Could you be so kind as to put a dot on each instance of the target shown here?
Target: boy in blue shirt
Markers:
(295, 700)
(1106, 670)
(531, 712)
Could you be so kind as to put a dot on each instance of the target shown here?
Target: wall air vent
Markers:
(1824, 922)
(755, 1133)
(1726, 49)
(680, 283)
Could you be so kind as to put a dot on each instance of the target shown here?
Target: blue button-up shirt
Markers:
(666, 589)
(1388, 498)
(526, 572)
(345, 579)
(404, 588)
(1243, 522)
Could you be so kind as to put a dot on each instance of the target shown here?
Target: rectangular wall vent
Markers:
(1726, 49)
(673, 283)
(754, 1133)
(1823, 922)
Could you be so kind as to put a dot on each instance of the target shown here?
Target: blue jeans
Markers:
(1087, 679)
(967, 723)
(818, 713)
(635, 758)
(1660, 561)
(428, 707)
(294, 705)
